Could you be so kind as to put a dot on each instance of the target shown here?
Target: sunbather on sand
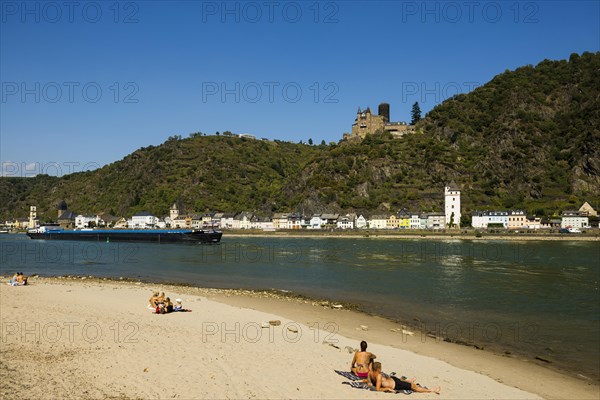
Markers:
(392, 384)
(153, 301)
(18, 280)
(179, 307)
(361, 362)
(168, 306)
(14, 280)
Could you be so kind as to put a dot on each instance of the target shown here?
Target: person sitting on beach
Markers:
(153, 301)
(161, 298)
(179, 307)
(393, 383)
(361, 362)
(168, 306)
(21, 280)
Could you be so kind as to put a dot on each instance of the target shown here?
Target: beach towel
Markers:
(348, 375)
(363, 385)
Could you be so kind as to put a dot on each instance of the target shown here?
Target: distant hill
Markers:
(529, 139)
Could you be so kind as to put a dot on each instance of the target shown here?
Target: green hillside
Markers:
(527, 139)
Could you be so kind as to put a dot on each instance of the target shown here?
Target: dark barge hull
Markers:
(150, 236)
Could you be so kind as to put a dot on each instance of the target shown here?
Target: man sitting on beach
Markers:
(361, 362)
(153, 301)
(392, 384)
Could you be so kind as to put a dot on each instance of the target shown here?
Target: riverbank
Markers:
(382, 234)
(91, 338)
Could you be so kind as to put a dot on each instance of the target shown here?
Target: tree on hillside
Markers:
(310, 142)
(323, 143)
(415, 113)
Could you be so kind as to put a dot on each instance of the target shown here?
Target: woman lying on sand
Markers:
(392, 383)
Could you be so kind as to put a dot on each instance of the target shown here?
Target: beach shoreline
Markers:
(343, 324)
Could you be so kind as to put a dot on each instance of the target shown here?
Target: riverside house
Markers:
(142, 220)
(574, 219)
(346, 221)
(280, 220)
(361, 222)
(378, 222)
(316, 222)
(83, 221)
(517, 219)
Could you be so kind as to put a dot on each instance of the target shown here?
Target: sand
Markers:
(84, 338)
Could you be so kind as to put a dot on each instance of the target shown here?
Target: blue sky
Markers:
(85, 84)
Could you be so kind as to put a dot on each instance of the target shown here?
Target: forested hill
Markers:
(528, 139)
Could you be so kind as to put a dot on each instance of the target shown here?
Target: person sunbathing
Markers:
(168, 306)
(14, 280)
(179, 307)
(153, 301)
(21, 279)
(393, 383)
(361, 362)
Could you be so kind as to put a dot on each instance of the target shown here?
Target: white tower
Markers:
(174, 211)
(32, 217)
(452, 204)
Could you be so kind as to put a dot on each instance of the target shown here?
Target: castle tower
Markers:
(32, 217)
(174, 211)
(452, 204)
(384, 111)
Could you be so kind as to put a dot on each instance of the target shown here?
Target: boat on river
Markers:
(127, 235)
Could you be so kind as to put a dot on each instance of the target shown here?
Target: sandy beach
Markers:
(90, 338)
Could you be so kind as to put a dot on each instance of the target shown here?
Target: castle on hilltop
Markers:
(367, 123)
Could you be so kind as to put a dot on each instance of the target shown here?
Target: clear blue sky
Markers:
(171, 68)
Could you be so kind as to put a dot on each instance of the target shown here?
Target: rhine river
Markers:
(527, 298)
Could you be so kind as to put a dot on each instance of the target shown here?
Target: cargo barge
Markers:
(127, 235)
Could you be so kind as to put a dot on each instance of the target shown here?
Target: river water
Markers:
(532, 299)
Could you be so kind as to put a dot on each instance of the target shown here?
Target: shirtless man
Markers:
(361, 362)
(391, 384)
(153, 301)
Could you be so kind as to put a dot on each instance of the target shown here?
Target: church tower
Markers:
(61, 208)
(452, 205)
(174, 211)
(32, 217)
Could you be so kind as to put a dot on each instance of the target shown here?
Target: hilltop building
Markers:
(367, 123)
(452, 204)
